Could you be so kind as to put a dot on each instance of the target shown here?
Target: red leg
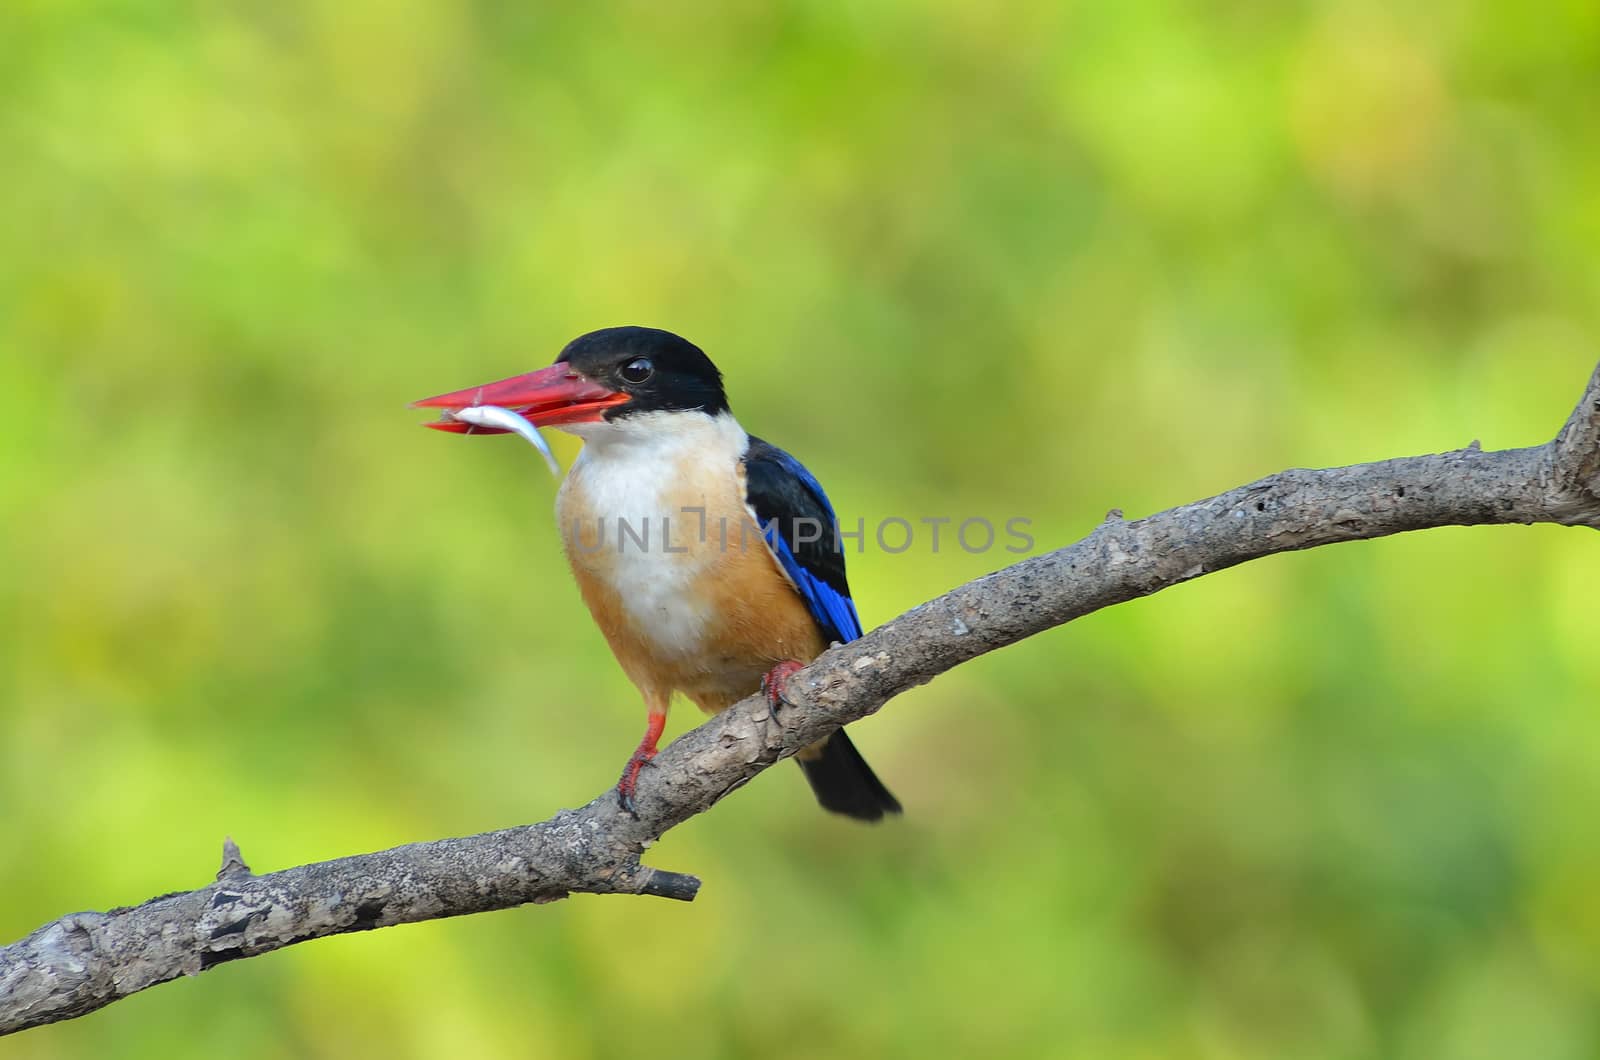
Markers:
(776, 681)
(642, 754)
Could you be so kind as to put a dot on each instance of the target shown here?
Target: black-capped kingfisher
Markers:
(710, 559)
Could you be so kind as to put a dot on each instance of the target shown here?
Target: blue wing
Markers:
(802, 532)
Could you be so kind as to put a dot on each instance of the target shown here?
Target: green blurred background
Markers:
(1032, 260)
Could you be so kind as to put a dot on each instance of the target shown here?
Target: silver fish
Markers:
(506, 420)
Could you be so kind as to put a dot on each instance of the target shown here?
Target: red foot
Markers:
(776, 682)
(629, 782)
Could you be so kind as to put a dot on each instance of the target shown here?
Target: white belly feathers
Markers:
(628, 519)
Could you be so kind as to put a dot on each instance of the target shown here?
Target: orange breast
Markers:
(703, 609)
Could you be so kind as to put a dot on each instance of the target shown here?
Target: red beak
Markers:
(549, 397)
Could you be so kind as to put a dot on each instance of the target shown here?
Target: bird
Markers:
(710, 560)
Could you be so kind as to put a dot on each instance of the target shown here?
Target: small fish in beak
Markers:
(504, 419)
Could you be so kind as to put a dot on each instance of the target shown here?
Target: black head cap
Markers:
(659, 370)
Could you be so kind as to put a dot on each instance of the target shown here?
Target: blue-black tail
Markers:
(843, 782)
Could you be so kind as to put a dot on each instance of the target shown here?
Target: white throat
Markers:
(645, 465)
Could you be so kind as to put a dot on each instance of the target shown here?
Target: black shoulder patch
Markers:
(783, 492)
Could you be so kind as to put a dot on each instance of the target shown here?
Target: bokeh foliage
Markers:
(1002, 260)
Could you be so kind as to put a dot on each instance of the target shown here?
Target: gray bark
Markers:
(84, 961)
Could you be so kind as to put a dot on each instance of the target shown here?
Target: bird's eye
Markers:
(638, 370)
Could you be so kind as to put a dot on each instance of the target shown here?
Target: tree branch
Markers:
(84, 961)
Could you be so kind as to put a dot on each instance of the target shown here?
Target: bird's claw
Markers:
(775, 683)
(628, 784)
